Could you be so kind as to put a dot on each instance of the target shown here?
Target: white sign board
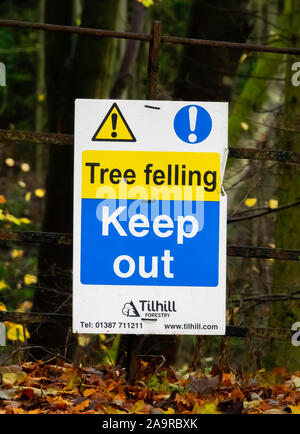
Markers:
(149, 217)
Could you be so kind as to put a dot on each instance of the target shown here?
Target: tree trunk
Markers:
(206, 72)
(131, 51)
(87, 74)
(40, 94)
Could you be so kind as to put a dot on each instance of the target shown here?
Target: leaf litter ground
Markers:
(38, 387)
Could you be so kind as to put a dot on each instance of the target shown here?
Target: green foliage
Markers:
(159, 382)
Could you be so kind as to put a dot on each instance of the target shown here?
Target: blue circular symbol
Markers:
(192, 124)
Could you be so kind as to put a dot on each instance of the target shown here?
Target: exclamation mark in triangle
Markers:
(114, 128)
(114, 119)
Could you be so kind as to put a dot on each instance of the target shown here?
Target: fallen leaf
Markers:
(295, 381)
(209, 408)
(295, 409)
(251, 404)
(237, 394)
(169, 411)
(12, 378)
(8, 394)
(89, 392)
(274, 411)
(138, 406)
(59, 403)
(226, 380)
(231, 407)
(82, 405)
(203, 385)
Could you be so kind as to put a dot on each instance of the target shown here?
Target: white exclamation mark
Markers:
(193, 120)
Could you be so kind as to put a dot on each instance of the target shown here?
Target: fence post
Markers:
(153, 60)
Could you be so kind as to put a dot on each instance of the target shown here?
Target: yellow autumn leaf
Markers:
(27, 196)
(169, 411)
(25, 306)
(10, 162)
(41, 97)
(9, 218)
(295, 409)
(273, 203)
(102, 337)
(146, 3)
(15, 332)
(3, 285)
(83, 340)
(16, 253)
(245, 126)
(209, 408)
(21, 183)
(243, 57)
(40, 192)
(24, 220)
(25, 167)
(12, 219)
(2, 307)
(30, 279)
(250, 201)
(138, 406)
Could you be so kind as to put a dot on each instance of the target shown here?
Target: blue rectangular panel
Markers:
(195, 262)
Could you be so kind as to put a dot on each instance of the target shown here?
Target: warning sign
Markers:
(150, 217)
(114, 128)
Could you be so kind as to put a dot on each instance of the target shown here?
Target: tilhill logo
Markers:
(156, 306)
(149, 309)
(130, 310)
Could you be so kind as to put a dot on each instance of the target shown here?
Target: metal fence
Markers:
(155, 39)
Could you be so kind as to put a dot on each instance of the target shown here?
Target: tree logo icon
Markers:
(130, 310)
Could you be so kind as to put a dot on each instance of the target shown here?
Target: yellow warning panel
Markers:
(151, 175)
(114, 128)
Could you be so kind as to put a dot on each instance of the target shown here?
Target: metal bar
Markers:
(35, 317)
(74, 29)
(153, 60)
(226, 44)
(258, 332)
(148, 38)
(30, 137)
(257, 154)
(36, 237)
(263, 253)
(66, 240)
(66, 319)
